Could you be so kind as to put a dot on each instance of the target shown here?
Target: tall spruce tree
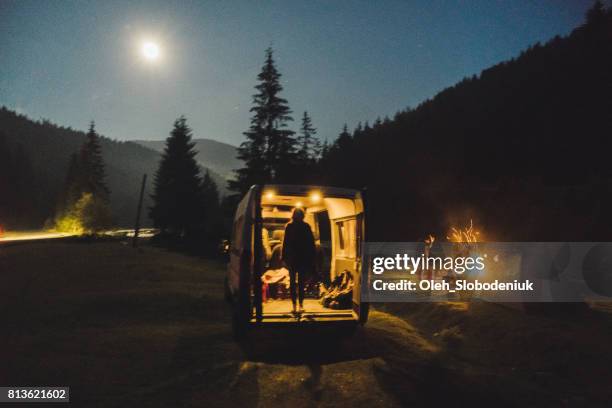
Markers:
(269, 151)
(177, 197)
(309, 145)
(92, 167)
(84, 200)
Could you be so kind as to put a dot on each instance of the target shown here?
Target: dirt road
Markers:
(147, 328)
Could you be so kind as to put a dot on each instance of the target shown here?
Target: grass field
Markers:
(149, 328)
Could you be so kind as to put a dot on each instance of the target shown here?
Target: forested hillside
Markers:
(33, 164)
(523, 148)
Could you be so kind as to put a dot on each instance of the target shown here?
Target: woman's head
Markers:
(298, 215)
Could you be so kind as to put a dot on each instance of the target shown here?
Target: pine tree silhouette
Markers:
(345, 140)
(84, 199)
(269, 153)
(177, 198)
(309, 145)
(92, 166)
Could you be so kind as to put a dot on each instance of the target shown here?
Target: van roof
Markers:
(303, 190)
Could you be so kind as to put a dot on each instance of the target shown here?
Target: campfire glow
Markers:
(468, 234)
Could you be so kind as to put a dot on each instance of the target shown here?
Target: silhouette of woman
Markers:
(298, 255)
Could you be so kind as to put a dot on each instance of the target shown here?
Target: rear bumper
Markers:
(345, 317)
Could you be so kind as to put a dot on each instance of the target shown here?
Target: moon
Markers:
(150, 50)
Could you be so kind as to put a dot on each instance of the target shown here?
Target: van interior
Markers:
(330, 285)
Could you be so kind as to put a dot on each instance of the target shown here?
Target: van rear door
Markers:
(258, 252)
(242, 260)
(360, 308)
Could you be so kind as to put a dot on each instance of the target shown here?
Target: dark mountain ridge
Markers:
(47, 149)
(523, 149)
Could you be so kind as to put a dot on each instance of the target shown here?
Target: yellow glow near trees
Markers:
(87, 214)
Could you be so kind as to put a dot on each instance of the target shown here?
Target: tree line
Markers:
(35, 171)
(185, 205)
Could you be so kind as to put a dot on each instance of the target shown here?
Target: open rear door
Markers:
(241, 265)
(258, 253)
(360, 308)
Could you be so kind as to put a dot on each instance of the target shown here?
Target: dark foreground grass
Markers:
(149, 328)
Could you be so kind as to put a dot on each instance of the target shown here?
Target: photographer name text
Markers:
(458, 285)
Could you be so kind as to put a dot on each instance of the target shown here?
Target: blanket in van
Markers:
(339, 294)
(280, 276)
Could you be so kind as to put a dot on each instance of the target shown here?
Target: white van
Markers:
(257, 280)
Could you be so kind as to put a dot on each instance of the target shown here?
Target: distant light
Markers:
(315, 197)
(269, 195)
(299, 204)
(150, 50)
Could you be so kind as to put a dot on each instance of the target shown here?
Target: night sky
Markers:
(72, 62)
